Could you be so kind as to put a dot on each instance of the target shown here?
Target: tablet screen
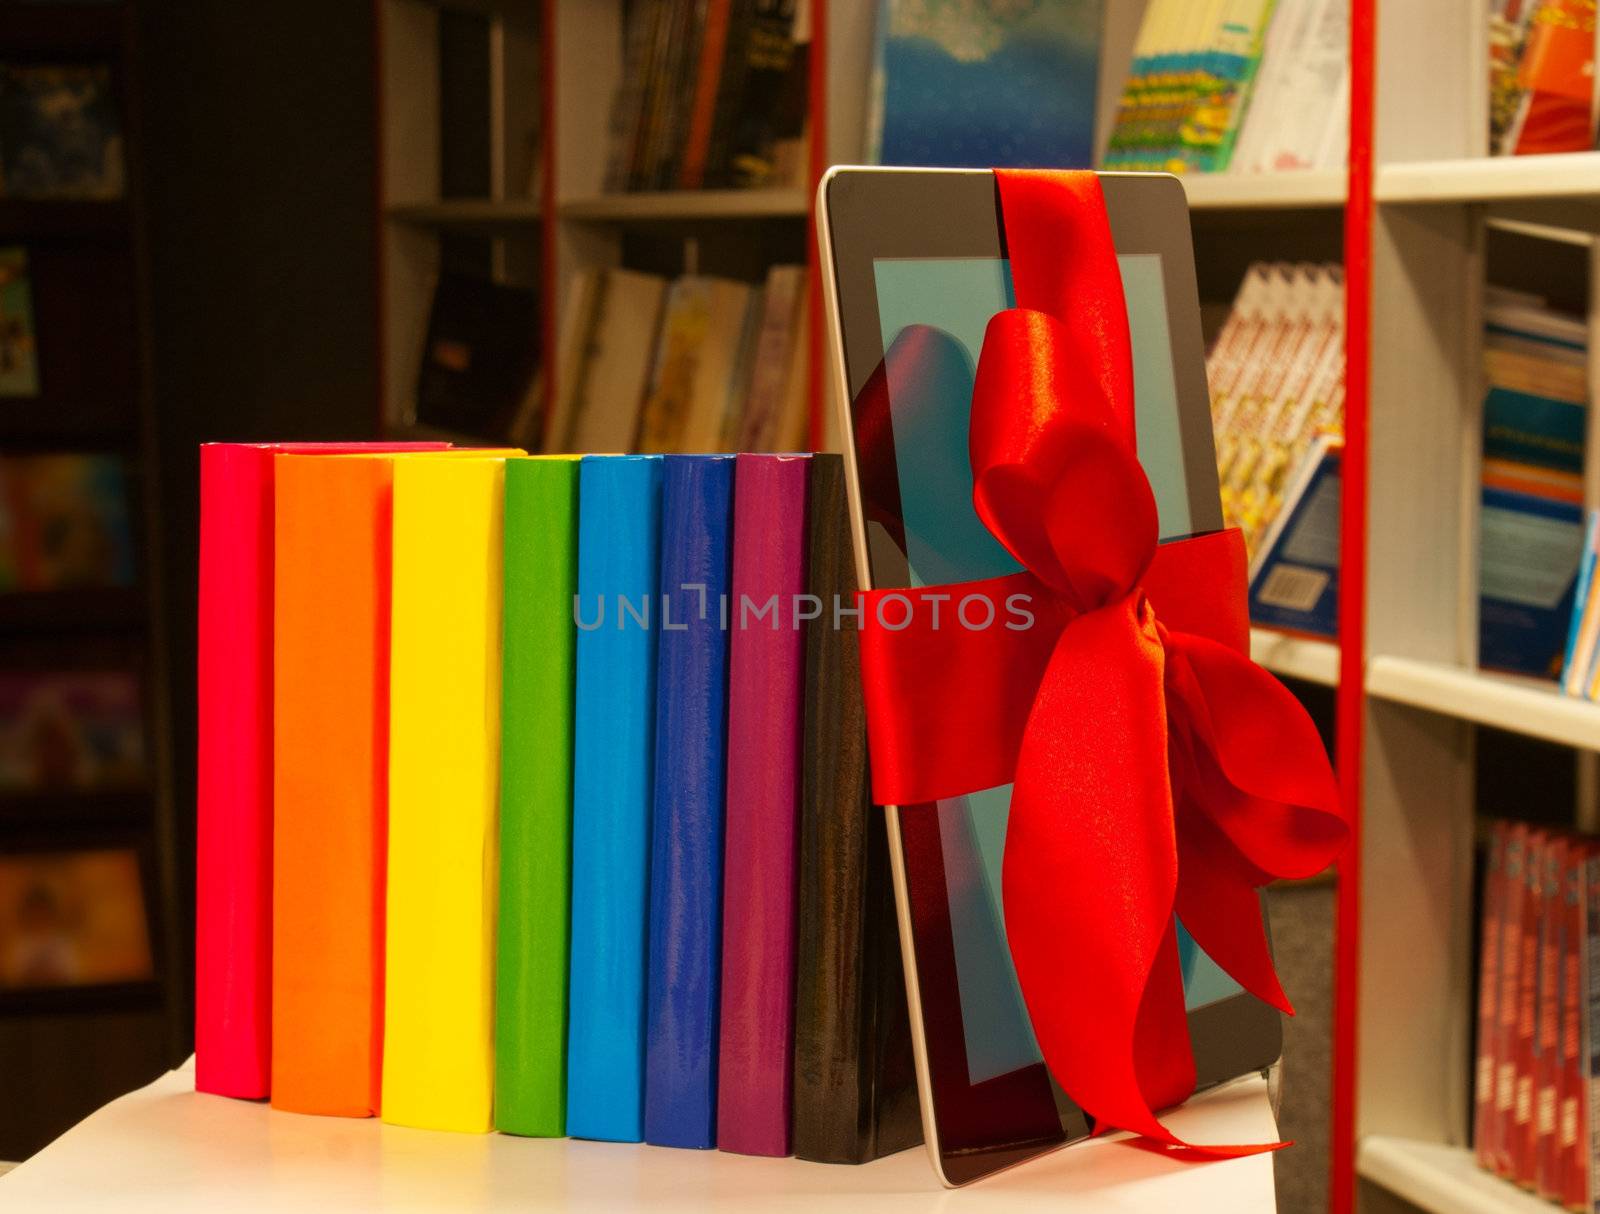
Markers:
(936, 310)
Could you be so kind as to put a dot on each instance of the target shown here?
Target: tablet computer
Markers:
(914, 265)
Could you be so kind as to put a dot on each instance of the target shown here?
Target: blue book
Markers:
(613, 758)
(1529, 549)
(686, 829)
(978, 85)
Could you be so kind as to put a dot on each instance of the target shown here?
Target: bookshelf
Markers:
(66, 1049)
(1437, 201)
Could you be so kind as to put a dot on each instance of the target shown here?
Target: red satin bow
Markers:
(1156, 769)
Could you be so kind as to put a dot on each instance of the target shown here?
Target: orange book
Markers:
(330, 780)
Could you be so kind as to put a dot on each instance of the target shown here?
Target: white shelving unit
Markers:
(1520, 705)
(1305, 658)
(1437, 196)
(1313, 189)
(1442, 1179)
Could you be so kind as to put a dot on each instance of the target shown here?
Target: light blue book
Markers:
(614, 706)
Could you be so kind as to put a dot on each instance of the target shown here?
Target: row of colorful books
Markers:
(1257, 86)
(695, 364)
(1580, 667)
(532, 797)
(713, 93)
(64, 523)
(1537, 1011)
(1542, 95)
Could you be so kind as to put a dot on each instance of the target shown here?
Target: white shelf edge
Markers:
(1526, 706)
(447, 212)
(1314, 661)
(687, 204)
(1490, 178)
(1441, 1179)
(1305, 189)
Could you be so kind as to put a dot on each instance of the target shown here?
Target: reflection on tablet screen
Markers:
(943, 305)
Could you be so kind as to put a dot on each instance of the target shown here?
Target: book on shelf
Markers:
(1537, 1012)
(478, 360)
(713, 95)
(1276, 376)
(1580, 672)
(60, 132)
(700, 364)
(1530, 521)
(71, 730)
(539, 570)
(64, 523)
(684, 992)
(970, 86)
(19, 341)
(1256, 86)
(1541, 76)
(75, 917)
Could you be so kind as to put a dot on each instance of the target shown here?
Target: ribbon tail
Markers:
(1090, 840)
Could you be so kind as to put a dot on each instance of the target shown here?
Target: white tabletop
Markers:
(166, 1148)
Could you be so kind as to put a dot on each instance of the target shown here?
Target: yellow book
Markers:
(444, 745)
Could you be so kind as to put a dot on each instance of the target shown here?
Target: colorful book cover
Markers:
(766, 682)
(19, 344)
(60, 132)
(330, 684)
(69, 521)
(614, 705)
(71, 729)
(685, 961)
(233, 791)
(972, 86)
(73, 918)
(444, 751)
(530, 1049)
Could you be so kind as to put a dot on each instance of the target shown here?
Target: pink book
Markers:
(766, 679)
(233, 866)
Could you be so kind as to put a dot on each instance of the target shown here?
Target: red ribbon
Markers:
(1156, 769)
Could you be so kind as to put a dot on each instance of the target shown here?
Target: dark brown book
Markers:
(855, 1086)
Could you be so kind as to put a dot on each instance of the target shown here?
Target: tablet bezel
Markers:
(870, 213)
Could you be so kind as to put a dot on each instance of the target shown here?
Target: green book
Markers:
(541, 566)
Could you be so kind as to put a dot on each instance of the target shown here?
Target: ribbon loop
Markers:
(1155, 770)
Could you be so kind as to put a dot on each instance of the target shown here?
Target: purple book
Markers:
(766, 679)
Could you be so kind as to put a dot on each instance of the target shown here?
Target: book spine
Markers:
(233, 830)
(330, 807)
(1519, 1154)
(854, 1085)
(765, 686)
(685, 967)
(1589, 1161)
(1547, 1027)
(444, 747)
(540, 565)
(1505, 1079)
(1488, 993)
(619, 520)
(703, 108)
(1572, 1129)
